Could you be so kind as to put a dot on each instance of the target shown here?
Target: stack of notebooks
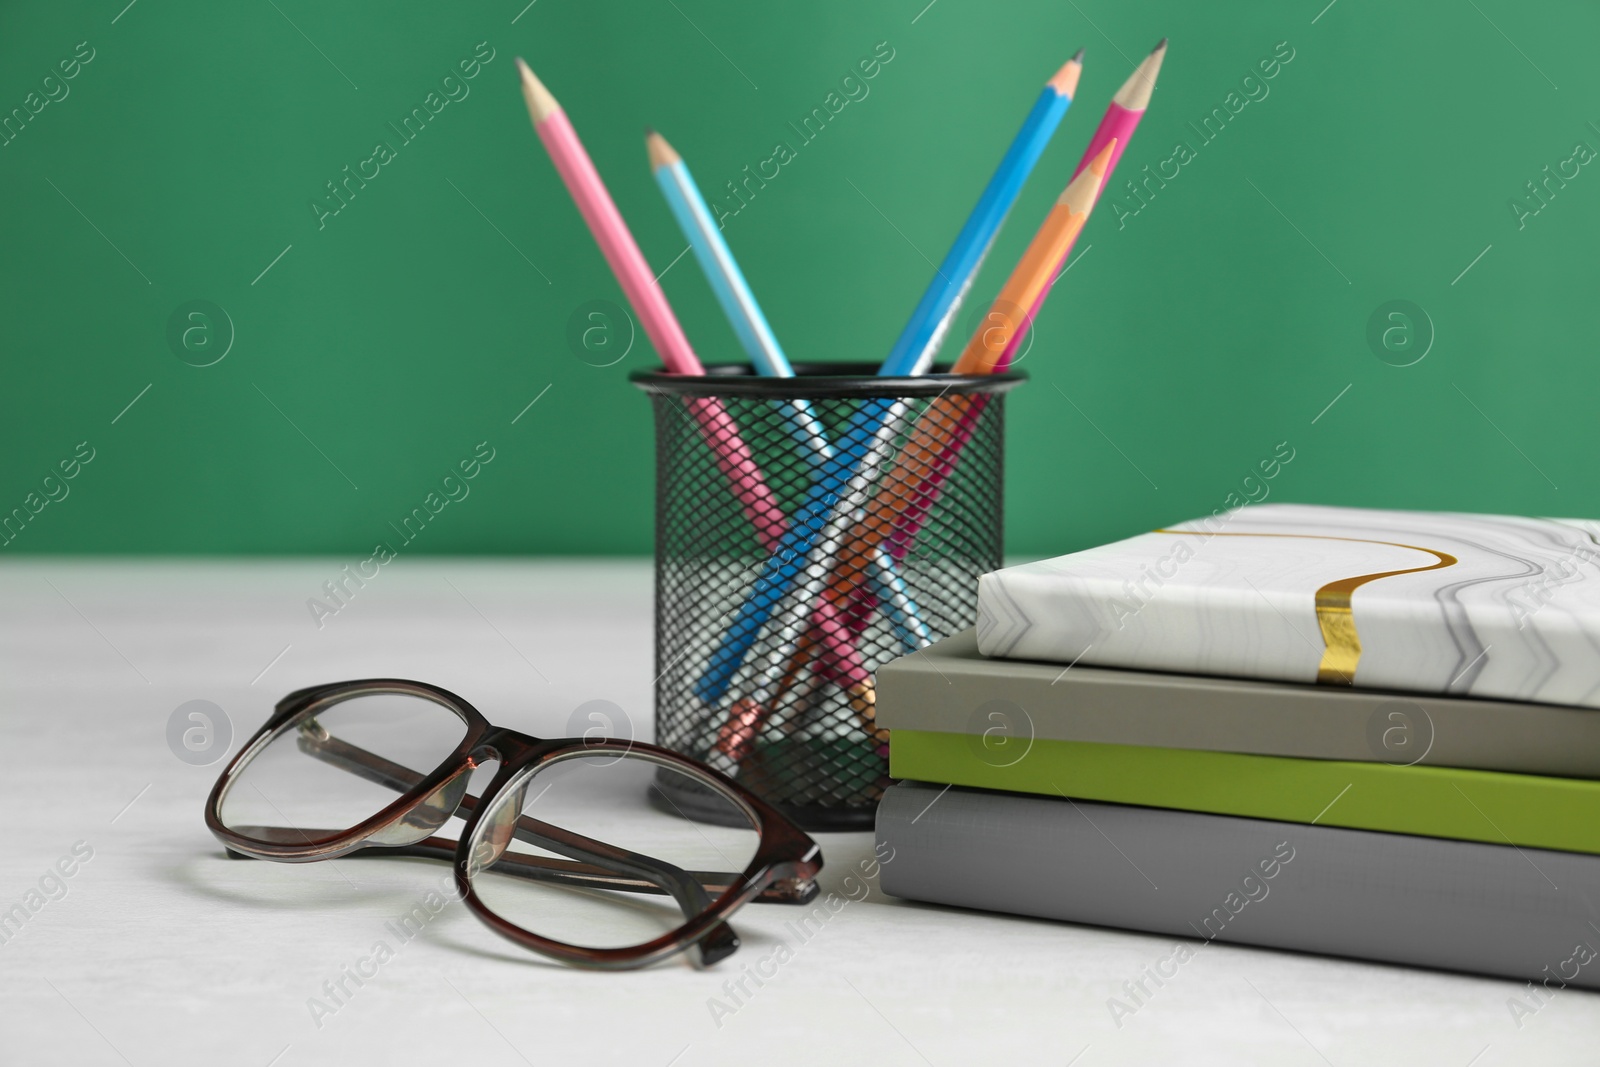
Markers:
(1371, 734)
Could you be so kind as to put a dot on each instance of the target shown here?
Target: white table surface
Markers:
(163, 952)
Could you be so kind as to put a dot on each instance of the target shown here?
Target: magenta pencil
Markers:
(1120, 121)
(1122, 117)
(650, 304)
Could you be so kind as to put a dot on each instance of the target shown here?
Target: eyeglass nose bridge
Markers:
(428, 814)
(493, 835)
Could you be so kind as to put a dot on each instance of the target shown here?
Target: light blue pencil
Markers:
(755, 334)
(732, 291)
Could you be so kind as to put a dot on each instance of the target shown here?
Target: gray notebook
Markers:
(1526, 914)
(949, 687)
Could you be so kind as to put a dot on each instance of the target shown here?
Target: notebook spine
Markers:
(1462, 906)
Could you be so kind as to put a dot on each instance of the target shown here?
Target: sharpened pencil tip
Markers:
(541, 105)
(661, 153)
(1077, 57)
(1141, 84)
(1104, 158)
(1065, 80)
(1082, 192)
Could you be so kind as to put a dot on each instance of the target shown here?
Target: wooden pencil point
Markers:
(661, 153)
(1085, 188)
(1065, 80)
(1141, 84)
(541, 105)
(1100, 162)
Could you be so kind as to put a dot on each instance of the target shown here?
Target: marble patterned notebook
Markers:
(1470, 605)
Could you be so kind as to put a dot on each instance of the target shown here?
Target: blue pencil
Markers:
(795, 575)
(801, 561)
(913, 352)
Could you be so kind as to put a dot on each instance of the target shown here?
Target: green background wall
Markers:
(1218, 321)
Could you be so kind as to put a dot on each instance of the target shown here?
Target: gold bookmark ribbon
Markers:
(1341, 651)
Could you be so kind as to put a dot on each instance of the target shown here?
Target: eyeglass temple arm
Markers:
(539, 868)
(315, 740)
(545, 869)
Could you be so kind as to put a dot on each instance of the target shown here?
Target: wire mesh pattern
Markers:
(809, 530)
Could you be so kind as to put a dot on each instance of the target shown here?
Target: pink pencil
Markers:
(650, 304)
(1121, 119)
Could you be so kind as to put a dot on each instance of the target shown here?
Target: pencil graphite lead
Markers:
(1077, 57)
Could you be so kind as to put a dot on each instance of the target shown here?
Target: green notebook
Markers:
(1468, 805)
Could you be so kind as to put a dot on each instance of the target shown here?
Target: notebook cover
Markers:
(1469, 605)
(1481, 908)
(1519, 809)
(950, 687)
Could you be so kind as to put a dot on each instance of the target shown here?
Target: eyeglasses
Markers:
(576, 849)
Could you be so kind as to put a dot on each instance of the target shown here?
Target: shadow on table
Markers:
(306, 888)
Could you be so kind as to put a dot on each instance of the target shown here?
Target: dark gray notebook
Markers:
(949, 687)
(1526, 914)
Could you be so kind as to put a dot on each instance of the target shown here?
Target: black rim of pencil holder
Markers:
(780, 703)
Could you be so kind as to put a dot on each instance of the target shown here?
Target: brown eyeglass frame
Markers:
(783, 869)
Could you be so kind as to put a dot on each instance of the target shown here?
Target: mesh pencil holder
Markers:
(809, 530)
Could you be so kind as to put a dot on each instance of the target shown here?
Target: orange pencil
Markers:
(1036, 269)
(939, 429)
(903, 489)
